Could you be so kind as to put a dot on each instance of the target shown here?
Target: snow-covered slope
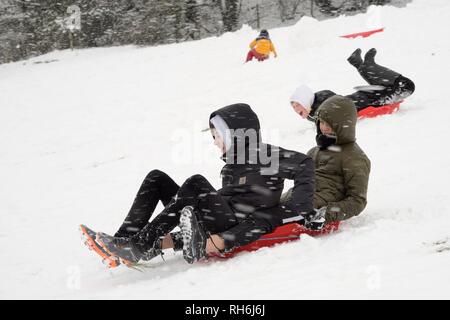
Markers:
(80, 133)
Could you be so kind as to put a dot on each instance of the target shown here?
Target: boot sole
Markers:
(126, 262)
(90, 242)
(186, 234)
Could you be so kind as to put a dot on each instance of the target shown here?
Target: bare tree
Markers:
(31, 27)
(230, 13)
(288, 9)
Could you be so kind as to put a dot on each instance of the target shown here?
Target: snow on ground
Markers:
(79, 134)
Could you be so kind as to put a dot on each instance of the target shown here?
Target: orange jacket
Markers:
(263, 46)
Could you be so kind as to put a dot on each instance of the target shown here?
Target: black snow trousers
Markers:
(400, 90)
(157, 186)
(213, 211)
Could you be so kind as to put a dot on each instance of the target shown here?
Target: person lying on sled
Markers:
(261, 47)
(385, 87)
(342, 168)
(212, 221)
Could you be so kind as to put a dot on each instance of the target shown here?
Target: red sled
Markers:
(364, 34)
(372, 112)
(286, 233)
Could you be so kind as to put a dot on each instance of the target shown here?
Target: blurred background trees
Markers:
(32, 27)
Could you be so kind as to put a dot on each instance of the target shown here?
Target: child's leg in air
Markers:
(402, 88)
(396, 86)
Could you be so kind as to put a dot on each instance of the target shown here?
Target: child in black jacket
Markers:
(214, 221)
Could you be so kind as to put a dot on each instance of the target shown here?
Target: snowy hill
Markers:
(80, 132)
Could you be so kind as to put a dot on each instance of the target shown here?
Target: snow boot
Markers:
(88, 236)
(375, 74)
(157, 250)
(122, 248)
(153, 252)
(177, 239)
(369, 57)
(355, 58)
(194, 238)
(315, 220)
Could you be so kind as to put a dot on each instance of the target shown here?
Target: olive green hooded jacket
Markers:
(342, 169)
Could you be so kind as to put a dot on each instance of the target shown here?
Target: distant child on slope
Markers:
(261, 47)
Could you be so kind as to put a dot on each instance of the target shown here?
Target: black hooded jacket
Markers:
(254, 183)
(319, 98)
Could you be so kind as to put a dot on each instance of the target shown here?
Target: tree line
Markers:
(33, 27)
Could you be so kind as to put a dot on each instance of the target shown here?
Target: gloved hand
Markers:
(315, 220)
